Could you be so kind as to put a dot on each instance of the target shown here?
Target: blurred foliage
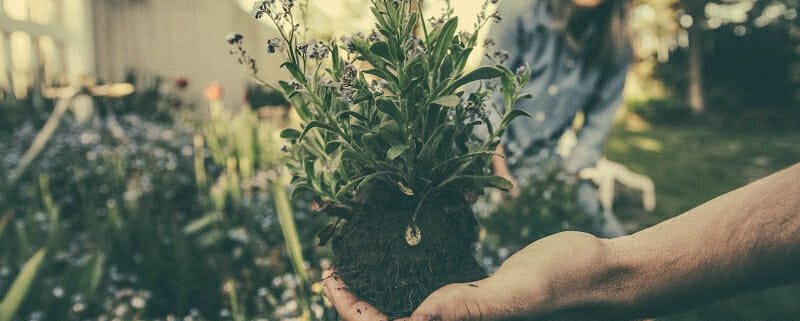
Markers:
(135, 235)
(669, 111)
(546, 205)
(258, 96)
(750, 62)
(752, 71)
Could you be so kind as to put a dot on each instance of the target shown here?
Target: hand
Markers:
(531, 283)
(346, 304)
(539, 281)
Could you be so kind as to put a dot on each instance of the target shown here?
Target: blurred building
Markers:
(57, 41)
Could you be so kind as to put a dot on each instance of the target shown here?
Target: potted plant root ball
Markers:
(390, 146)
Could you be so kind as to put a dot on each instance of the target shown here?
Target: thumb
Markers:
(454, 302)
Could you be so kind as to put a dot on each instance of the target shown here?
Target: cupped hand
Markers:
(539, 281)
(346, 304)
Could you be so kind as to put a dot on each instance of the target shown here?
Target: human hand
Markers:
(543, 280)
(346, 304)
(538, 281)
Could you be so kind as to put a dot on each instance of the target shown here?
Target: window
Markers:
(43, 42)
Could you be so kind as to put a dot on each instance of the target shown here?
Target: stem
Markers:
(289, 229)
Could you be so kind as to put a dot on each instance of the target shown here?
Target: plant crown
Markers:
(391, 106)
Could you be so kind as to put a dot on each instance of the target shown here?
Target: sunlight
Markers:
(21, 62)
(16, 9)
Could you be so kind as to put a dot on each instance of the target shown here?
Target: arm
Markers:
(743, 240)
(600, 116)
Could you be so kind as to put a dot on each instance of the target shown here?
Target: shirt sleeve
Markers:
(600, 114)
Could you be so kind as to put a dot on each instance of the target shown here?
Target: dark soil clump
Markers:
(373, 258)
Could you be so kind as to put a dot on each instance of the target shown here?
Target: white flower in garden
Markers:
(58, 292)
(121, 310)
(503, 253)
(78, 307)
(325, 264)
(138, 302)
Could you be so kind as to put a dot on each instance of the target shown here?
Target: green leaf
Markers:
(19, 289)
(349, 113)
(448, 101)
(379, 16)
(373, 176)
(396, 151)
(295, 71)
(362, 47)
(405, 189)
(475, 75)
(93, 273)
(462, 60)
(331, 146)
(337, 63)
(358, 181)
(290, 133)
(353, 155)
(370, 142)
(202, 223)
(512, 115)
(483, 181)
(388, 107)
(444, 41)
(412, 21)
(301, 107)
(383, 74)
(308, 168)
(285, 86)
(315, 124)
(463, 158)
(299, 189)
(381, 49)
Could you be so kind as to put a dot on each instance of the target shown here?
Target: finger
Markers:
(346, 304)
(454, 302)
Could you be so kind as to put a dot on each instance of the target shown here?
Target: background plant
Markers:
(124, 229)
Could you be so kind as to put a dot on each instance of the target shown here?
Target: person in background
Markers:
(578, 54)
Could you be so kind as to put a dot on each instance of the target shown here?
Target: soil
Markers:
(373, 258)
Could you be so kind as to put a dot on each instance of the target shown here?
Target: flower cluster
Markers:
(241, 55)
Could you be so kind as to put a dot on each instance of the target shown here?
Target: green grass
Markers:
(692, 164)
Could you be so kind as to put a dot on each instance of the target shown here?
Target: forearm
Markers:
(745, 239)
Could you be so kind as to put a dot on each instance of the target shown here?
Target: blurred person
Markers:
(578, 54)
(744, 240)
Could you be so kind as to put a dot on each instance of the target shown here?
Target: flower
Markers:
(273, 45)
(350, 73)
(259, 9)
(181, 83)
(521, 70)
(318, 50)
(233, 38)
(213, 92)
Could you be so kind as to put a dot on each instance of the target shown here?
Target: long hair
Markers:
(600, 32)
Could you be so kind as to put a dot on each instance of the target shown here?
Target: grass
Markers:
(691, 164)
